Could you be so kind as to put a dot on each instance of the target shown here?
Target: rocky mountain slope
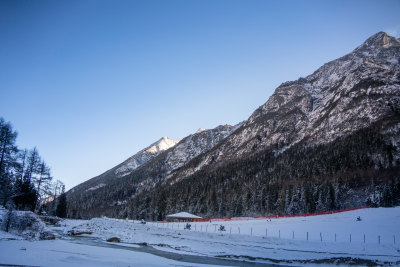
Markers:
(144, 156)
(128, 165)
(341, 97)
(321, 142)
(145, 169)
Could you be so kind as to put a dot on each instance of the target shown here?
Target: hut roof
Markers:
(183, 215)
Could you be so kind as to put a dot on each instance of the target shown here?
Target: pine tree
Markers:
(61, 210)
(24, 195)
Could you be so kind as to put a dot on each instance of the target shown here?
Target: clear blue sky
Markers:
(92, 82)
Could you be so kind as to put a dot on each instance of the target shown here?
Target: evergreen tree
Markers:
(8, 152)
(61, 210)
(25, 195)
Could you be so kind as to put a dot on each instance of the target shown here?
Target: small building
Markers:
(183, 217)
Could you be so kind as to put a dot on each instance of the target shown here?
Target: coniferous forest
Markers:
(324, 142)
(26, 182)
(351, 171)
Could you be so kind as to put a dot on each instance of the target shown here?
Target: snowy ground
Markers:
(258, 241)
(63, 253)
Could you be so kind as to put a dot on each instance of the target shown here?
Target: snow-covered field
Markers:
(279, 241)
(63, 253)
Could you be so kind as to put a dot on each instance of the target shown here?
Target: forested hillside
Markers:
(353, 171)
(328, 141)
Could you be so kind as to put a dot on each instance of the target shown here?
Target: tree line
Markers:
(26, 182)
(355, 170)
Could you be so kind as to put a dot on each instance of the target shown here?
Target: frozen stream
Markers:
(92, 241)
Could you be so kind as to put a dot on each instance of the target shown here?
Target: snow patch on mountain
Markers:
(96, 187)
(342, 96)
(195, 144)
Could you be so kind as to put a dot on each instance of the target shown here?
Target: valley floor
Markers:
(280, 241)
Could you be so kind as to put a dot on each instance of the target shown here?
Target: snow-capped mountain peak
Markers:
(380, 39)
(145, 155)
(163, 144)
(303, 120)
(200, 130)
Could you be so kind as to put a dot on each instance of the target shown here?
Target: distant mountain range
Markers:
(326, 141)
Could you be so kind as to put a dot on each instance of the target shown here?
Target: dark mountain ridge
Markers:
(112, 189)
(339, 98)
(326, 141)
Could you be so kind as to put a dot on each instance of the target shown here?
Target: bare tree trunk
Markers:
(8, 216)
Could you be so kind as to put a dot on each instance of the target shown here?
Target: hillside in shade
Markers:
(326, 141)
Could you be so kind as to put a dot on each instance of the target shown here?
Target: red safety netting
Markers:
(277, 216)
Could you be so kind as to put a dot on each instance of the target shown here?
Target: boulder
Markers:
(114, 239)
(53, 220)
(47, 236)
(76, 232)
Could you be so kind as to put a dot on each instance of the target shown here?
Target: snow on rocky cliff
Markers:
(196, 144)
(342, 96)
(187, 149)
(182, 152)
(356, 91)
(145, 155)
(155, 162)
